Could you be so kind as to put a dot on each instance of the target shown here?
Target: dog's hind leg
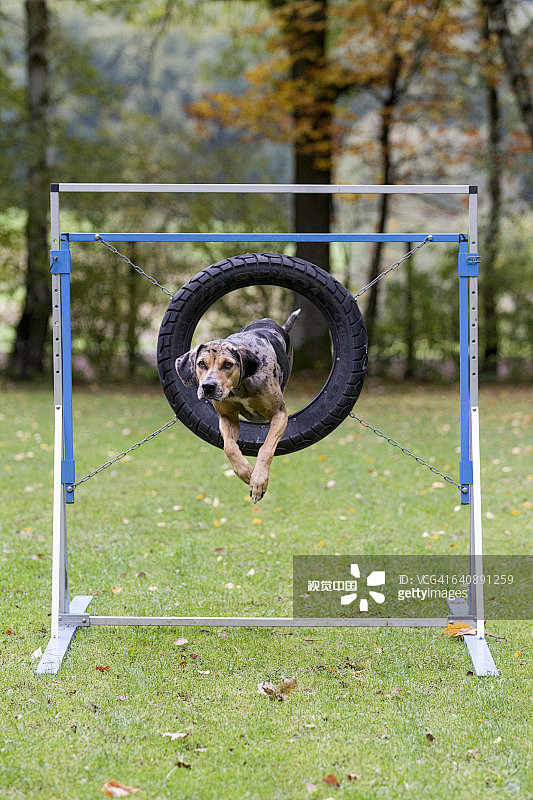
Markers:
(230, 428)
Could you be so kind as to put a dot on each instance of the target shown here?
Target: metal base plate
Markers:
(56, 651)
(478, 649)
(481, 657)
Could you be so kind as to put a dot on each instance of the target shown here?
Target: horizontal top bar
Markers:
(254, 188)
(264, 237)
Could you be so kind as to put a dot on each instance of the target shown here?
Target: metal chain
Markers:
(135, 266)
(407, 452)
(150, 436)
(429, 238)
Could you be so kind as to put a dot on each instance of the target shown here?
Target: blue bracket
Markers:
(466, 479)
(468, 265)
(60, 262)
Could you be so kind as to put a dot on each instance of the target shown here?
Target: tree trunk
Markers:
(492, 240)
(27, 357)
(305, 27)
(510, 50)
(387, 111)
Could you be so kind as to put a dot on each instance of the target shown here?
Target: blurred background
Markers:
(306, 91)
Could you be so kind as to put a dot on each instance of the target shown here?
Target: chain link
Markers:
(429, 238)
(134, 266)
(150, 436)
(407, 452)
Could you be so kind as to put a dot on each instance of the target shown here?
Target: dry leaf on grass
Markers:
(459, 629)
(331, 780)
(311, 787)
(280, 692)
(116, 789)
(178, 735)
(353, 776)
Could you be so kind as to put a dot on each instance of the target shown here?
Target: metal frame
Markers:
(69, 615)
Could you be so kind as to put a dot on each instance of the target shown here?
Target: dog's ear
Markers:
(250, 363)
(186, 367)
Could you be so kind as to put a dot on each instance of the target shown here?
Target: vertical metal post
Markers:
(476, 536)
(59, 551)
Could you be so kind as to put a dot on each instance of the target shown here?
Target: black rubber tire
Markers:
(348, 333)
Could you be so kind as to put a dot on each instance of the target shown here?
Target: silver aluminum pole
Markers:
(476, 537)
(59, 580)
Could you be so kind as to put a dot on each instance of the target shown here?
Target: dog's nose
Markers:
(209, 389)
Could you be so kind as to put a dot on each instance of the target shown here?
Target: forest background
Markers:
(305, 91)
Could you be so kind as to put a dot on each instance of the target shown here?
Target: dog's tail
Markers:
(292, 319)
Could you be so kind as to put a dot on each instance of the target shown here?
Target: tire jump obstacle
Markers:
(333, 403)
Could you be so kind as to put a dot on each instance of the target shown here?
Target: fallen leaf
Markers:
(181, 641)
(459, 629)
(353, 776)
(178, 735)
(103, 669)
(288, 685)
(311, 787)
(518, 653)
(268, 688)
(116, 589)
(116, 789)
(430, 737)
(280, 692)
(331, 780)
(37, 653)
(181, 763)
(497, 740)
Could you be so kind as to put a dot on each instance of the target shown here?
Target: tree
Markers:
(514, 58)
(27, 357)
(491, 245)
(291, 98)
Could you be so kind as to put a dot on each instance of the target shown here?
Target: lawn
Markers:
(383, 713)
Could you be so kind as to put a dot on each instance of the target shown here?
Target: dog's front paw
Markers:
(258, 484)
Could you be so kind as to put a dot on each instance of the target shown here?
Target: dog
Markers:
(245, 375)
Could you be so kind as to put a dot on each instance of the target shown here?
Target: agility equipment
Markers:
(69, 614)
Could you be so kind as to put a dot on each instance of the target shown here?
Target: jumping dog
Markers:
(245, 375)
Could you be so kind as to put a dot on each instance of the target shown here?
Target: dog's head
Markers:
(218, 367)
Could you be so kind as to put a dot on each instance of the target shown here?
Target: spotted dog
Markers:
(244, 375)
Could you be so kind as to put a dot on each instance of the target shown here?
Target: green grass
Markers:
(366, 700)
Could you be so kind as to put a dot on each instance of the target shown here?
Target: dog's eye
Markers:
(228, 364)
(201, 364)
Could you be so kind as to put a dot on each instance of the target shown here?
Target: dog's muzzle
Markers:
(209, 391)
